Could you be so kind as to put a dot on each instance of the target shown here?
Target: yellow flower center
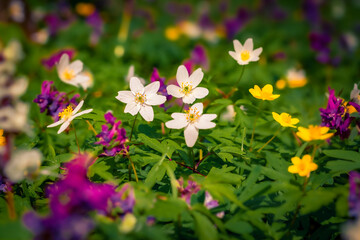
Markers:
(140, 98)
(2, 138)
(192, 115)
(301, 166)
(286, 118)
(68, 74)
(66, 113)
(245, 55)
(186, 88)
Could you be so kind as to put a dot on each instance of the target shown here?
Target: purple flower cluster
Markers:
(198, 57)
(192, 188)
(354, 194)
(50, 62)
(52, 101)
(155, 76)
(70, 204)
(112, 137)
(335, 116)
(96, 23)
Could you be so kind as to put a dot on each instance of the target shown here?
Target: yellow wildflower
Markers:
(296, 78)
(285, 119)
(266, 93)
(280, 84)
(172, 33)
(314, 133)
(303, 166)
(2, 138)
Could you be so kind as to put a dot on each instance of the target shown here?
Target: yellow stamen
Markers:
(68, 74)
(186, 88)
(192, 115)
(245, 55)
(140, 98)
(66, 113)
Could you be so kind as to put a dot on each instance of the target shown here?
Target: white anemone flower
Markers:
(131, 73)
(23, 164)
(141, 99)
(245, 54)
(188, 89)
(71, 73)
(67, 115)
(192, 120)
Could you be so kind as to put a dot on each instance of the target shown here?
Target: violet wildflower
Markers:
(354, 194)
(51, 61)
(335, 116)
(112, 137)
(155, 76)
(96, 23)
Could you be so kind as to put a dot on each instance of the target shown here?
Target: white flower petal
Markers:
(136, 85)
(76, 66)
(152, 88)
(155, 99)
(200, 92)
(175, 91)
(255, 54)
(125, 96)
(147, 113)
(132, 108)
(64, 127)
(81, 113)
(182, 74)
(78, 107)
(196, 77)
(188, 99)
(234, 55)
(248, 45)
(62, 64)
(177, 122)
(56, 123)
(199, 107)
(191, 134)
(237, 46)
(204, 121)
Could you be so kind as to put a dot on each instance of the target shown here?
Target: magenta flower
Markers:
(96, 23)
(155, 76)
(354, 194)
(198, 57)
(50, 62)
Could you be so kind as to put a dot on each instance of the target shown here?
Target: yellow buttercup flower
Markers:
(2, 138)
(314, 133)
(296, 78)
(303, 166)
(266, 93)
(285, 119)
(280, 84)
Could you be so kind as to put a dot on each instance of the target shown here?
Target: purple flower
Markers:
(112, 137)
(96, 23)
(335, 116)
(156, 77)
(50, 62)
(354, 194)
(198, 57)
(319, 41)
(311, 11)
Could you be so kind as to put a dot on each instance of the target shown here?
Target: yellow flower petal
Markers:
(293, 169)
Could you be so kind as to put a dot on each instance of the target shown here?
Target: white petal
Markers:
(136, 85)
(234, 55)
(125, 96)
(179, 116)
(248, 45)
(199, 107)
(189, 99)
(177, 122)
(182, 74)
(204, 121)
(64, 126)
(56, 123)
(255, 54)
(147, 113)
(200, 92)
(76, 66)
(81, 113)
(237, 46)
(191, 134)
(132, 108)
(155, 99)
(152, 88)
(175, 91)
(63, 63)
(78, 107)
(196, 77)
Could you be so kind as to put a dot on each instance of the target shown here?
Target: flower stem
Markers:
(202, 159)
(277, 132)
(131, 164)
(10, 204)
(91, 127)
(132, 129)
(241, 74)
(76, 139)
(191, 156)
(253, 131)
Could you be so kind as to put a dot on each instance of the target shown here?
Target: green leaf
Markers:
(100, 168)
(168, 210)
(316, 199)
(237, 226)
(343, 154)
(342, 166)
(152, 143)
(204, 228)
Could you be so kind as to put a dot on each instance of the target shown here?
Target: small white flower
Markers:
(13, 51)
(14, 118)
(71, 73)
(140, 98)
(131, 73)
(67, 115)
(188, 89)
(14, 88)
(245, 54)
(192, 121)
(89, 82)
(23, 164)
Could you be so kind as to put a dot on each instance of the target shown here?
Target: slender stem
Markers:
(256, 117)
(131, 164)
(190, 168)
(314, 152)
(241, 74)
(191, 156)
(77, 141)
(243, 139)
(10, 204)
(132, 129)
(91, 127)
(202, 159)
(277, 132)
(129, 172)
